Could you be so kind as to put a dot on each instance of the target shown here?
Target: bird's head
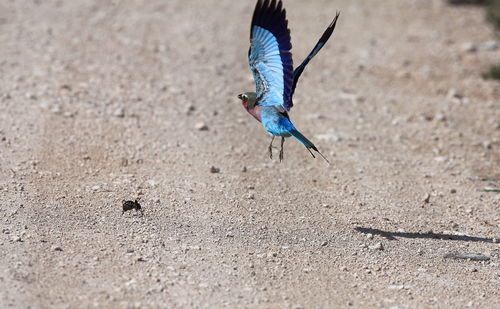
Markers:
(248, 99)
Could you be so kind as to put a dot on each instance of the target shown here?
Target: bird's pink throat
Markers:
(254, 111)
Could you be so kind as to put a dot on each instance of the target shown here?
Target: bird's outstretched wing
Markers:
(298, 70)
(270, 56)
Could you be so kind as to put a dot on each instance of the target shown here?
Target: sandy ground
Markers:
(102, 102)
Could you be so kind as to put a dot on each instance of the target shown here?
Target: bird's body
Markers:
(271, 63)
(276, 122)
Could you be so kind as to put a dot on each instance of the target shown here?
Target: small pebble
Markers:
(427, 198)
(31, 96)
(56, 109)
(56, 248)
(403, 74)
(467, 256)
(469, 47)
(453, 191)
(120, 112)
(201, 126)
(440, 117)
(491, 189)
(454, 94)
(377, 246)
(190, 109)
(214, 170)
(488, 45)
(329, 137)
(272, 254)
(441, 159)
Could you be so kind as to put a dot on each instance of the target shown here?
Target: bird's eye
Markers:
(244, 97)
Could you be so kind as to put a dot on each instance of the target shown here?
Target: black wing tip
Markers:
(267, 10)
(334, 21)
(271, 15)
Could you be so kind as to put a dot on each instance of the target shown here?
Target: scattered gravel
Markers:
(150, 104)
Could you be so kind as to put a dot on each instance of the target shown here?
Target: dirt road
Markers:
(102, 102)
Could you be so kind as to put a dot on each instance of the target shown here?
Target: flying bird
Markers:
(270, 60)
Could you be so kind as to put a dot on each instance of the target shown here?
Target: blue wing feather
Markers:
(270, 56)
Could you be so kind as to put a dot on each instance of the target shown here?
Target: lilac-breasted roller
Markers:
(270, 60)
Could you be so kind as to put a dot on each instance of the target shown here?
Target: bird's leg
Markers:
(271, 148)
(281, 150)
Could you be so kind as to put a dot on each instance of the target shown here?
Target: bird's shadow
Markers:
(430, 235)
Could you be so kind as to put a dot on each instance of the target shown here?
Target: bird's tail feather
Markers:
(306, 142)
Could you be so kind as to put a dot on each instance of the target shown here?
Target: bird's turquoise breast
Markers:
(275, 123)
